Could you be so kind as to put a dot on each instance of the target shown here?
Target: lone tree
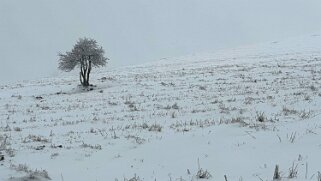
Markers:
(85, 54)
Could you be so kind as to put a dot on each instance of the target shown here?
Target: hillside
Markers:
(236, 112)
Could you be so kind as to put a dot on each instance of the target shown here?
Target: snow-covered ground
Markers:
(236, 113)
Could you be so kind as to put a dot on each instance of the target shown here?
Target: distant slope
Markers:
(237, 113)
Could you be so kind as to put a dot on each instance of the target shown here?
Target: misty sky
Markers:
(136, 31)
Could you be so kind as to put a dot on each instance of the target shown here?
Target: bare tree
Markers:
(85, 54)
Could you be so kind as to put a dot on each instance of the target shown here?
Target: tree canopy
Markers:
(85, 54)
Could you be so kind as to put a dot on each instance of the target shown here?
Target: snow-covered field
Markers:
(235, 113)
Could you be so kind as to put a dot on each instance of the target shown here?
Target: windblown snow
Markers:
(232, 114)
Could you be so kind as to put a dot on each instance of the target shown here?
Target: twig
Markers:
(62, 178)
(225, 177)
(198, 163)
(279, 138)
(250, 134)
(259, 178)
(306, 170)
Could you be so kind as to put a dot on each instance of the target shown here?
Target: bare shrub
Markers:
(155, 127)
(173, 115)
(187, 125)
(175, 106)
(35, 138)
(3, 142)
(18, 129)
(10, 152)
(307, 98)
(96, 147)
(135, 178)
(54, 155)
(292, 137)
(287, 111)
(39, 174)
(313, 88)
(201, 174)
(137, 139)
(305, 114)
(293, 171)
(276, 175)
(260, 117)
(202, 87)
(31, 174)
(239, 120)
(132, 106)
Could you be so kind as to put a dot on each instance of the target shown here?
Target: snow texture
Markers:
(236, 113)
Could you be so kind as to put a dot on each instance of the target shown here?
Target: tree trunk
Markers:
(88, 72)
(85, 70)
(83, 76)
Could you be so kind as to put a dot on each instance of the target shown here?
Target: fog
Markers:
(137, 31)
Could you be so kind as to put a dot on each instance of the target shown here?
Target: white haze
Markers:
(136, 31)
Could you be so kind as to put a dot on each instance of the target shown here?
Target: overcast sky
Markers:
(136, 31)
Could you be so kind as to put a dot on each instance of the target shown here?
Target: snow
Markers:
(168, 119)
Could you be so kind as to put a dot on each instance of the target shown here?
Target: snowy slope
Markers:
(236, 112)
